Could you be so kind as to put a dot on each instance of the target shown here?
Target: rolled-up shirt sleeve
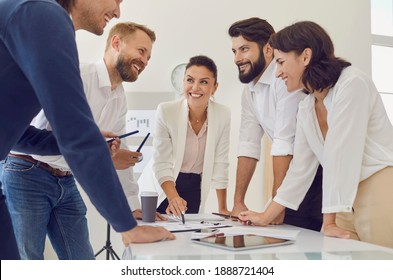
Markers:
(251, 132)
(164, 179)
(285, 124)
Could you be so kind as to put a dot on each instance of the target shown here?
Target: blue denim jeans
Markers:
(39, 204)
(9, 249)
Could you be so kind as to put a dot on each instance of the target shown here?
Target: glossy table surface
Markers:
(308, 245)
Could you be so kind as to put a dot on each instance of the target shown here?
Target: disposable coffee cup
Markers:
(149, 205)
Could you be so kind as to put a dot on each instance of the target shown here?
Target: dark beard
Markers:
(255, 69)
(123, 66)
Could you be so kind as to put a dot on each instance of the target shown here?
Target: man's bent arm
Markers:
(280, 168)
(245, 169)
(37, 141)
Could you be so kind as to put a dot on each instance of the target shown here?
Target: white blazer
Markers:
(170, 138)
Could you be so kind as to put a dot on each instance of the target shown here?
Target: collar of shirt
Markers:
(266, 77)
(103, 78)
(309, 103)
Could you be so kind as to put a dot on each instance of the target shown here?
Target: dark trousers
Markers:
(8, 247)
(309, 214)
(188, 186)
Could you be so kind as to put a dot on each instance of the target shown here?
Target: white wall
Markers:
(186, 28)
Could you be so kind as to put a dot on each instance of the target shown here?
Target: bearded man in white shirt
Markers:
(268, 108)
(51, 198)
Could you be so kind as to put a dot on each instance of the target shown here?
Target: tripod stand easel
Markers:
(108, 246)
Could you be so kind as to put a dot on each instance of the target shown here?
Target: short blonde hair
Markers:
(124, 29)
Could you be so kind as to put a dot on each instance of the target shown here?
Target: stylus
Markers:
(182, 218)
(143, 143)
(123, 135)
(226, 216)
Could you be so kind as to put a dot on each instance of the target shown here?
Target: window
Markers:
(382, 50)
(382, 44)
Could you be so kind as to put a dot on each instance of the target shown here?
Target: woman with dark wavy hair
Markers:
(342, 124)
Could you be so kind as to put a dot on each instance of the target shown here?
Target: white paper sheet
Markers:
(176, 226)
(198, 217)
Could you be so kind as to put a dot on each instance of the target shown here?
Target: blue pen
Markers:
(123, 135)
(143, 143)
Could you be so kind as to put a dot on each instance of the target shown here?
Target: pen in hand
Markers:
(143, 143)
(182, 218)
(140, 147)
(123, 135)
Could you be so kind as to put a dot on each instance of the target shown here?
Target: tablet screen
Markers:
(242, 242)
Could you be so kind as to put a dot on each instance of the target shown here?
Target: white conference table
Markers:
(309, 245)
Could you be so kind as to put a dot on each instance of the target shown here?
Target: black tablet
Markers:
(242, 242)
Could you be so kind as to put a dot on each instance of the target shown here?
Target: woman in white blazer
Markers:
(191, 143)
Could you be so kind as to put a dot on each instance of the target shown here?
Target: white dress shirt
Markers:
(267, 107)
(359, 143)
(109, 110)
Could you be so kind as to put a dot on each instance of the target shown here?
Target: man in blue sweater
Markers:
(40, 69)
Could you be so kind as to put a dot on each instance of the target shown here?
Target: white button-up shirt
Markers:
(267, 107)
(359, 143)
(109, 109)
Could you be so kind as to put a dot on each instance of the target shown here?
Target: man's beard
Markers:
(255, 69)
(124, 67)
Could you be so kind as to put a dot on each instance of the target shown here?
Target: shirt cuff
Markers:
(218, 186)
(286, 203)
(281, 148)
(249, 149)
(164, 179)
(336, 209)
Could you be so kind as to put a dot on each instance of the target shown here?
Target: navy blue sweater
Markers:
(39, 68)
(37, 141)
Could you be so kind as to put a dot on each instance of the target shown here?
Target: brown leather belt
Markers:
(54, 171)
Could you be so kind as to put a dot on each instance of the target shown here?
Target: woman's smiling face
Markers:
(290, 68)
(199, 85)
